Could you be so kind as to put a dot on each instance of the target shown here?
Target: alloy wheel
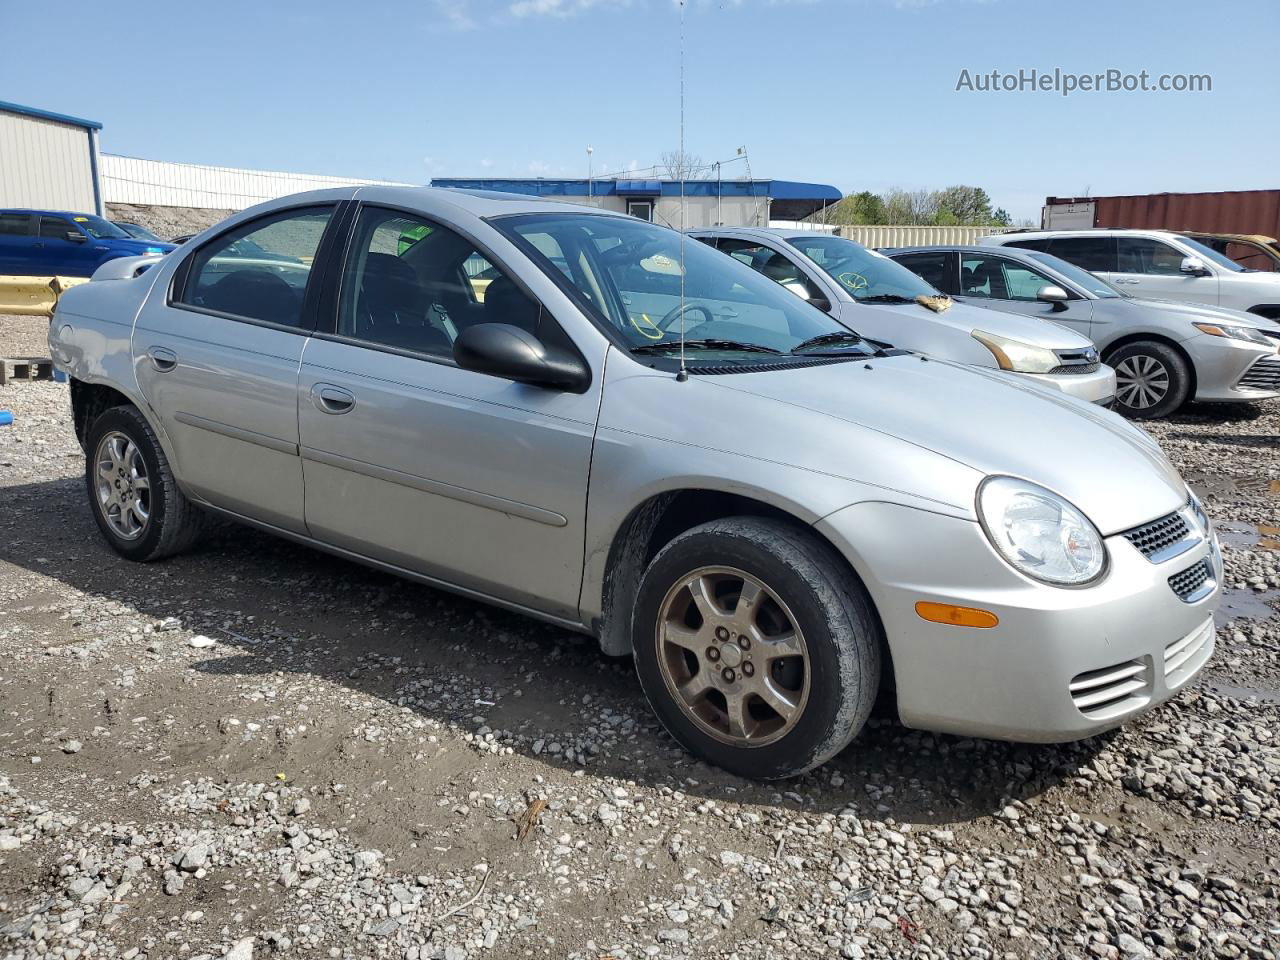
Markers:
(732, 656)
(1142, 381)
(123, 486)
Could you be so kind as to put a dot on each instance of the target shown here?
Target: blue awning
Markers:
(642, 188)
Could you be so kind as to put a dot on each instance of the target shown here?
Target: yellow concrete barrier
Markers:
(34, 296)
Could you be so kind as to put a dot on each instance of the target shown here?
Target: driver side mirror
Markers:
(511, 352)
(1054, 294)
(1194, 266)
(822, 303)
(75, 236)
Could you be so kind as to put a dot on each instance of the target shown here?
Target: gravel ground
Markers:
(256, 749)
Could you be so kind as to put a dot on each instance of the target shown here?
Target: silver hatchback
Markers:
(607, 425)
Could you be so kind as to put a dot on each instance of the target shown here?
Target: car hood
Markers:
(966, 318)
(136, 248)
(992, 422)
(1194, 312)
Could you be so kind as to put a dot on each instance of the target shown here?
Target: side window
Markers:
(1245, 254)
(1144, 255)
(1095, 254)
(56, 228)
(259, 270)
(982, 277)
(1041, 244)
(774, 265)
(418, 296)
(14, 224)
(929, 267)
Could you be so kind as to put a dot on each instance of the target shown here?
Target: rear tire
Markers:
(133, 495)
(757, 646)
(1152, 379)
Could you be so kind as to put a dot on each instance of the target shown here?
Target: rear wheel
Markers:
(756, 646)
(132, 492)
(1152, 379)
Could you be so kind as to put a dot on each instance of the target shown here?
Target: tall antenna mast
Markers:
(683, 375)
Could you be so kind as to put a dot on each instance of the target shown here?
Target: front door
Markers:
(66, 249)
(989, 280)
(1152, 269)
(471, 479)
(217, 358)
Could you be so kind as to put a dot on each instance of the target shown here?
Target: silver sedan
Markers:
(1164, 352)
(602, 423)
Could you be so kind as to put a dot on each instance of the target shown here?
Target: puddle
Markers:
(1260, 694)
(1245, 604)
(1249, 536)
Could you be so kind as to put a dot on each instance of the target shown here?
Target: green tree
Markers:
(1001, 218)
(857, 209)
(969, 205)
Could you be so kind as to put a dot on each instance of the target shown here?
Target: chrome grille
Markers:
(1080, 361)
(1110, 691)
(1156, 540)
(1080, 368)
(1183, 657)
(1194, 583)
(1263, 375)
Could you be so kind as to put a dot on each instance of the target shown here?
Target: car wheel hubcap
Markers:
(1141, 381)
(732, 656)
(123, 487)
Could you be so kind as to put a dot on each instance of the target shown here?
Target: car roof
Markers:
(482, 203)
(1250, 237)
(776, 233)
(53, 213)
(957, 248)
(1086, 232)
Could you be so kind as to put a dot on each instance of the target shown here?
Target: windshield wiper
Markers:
(885, 298)
(704, 344)
(822, 339)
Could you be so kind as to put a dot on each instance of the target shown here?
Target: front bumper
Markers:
(1096, 387)
(1061, 664)
(1229, 369)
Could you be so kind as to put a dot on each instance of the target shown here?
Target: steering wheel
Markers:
(669, 321)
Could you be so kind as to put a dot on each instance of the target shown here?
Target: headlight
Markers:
(1017, 356)
(1039, 533)
(1198, 511)
(1235, 333)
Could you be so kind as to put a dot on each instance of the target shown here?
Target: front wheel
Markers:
(756, 646)
(1152, 379)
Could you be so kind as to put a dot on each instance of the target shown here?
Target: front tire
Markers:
(756, 646)
(132, 491)
(1152, 379)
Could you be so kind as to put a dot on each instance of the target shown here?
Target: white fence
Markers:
(133, 180)
(904, 236)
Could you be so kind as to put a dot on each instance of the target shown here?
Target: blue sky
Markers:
(857, 93)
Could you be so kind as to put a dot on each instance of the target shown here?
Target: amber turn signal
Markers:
(955, 616)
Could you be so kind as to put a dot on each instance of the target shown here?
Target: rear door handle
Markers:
(162, 359)
(331, 399)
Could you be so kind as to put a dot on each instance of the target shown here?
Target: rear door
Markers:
(65, 248)
(935, 267)
(472, 479)
(18, 246)
(217, 357)
(1152, 269)
(1001, 283)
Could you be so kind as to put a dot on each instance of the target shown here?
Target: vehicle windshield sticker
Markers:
(80, 219)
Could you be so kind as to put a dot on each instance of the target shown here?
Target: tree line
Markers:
(953, 206)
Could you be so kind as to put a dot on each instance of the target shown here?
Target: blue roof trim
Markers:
(775, 189)
(48, 115)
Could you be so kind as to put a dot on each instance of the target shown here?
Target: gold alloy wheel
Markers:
(122, 485)
(732, 656)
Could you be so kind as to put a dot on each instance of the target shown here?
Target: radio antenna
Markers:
(683, 375)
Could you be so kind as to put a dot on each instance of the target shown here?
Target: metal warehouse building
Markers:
(48, 160)
(709, 203)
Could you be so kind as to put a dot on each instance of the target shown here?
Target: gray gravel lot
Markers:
(259, 750)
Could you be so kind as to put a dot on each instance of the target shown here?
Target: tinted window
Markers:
(1247, 255)
(1144, 255)
(1041, 244)
(56, 227)
(12, 224)
(1095, 285)
(929, 267)
(1087, 253)
(259, 270)
(774, 265)
(1213, 256)
(999, 279)
(413, 285)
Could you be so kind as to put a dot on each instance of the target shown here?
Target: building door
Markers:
(641, 208)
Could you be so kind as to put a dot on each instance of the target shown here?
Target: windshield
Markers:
(100, 229)
(1081, 278)
(139, 232)
(1208, 253)
(628, 271)
(864, 273)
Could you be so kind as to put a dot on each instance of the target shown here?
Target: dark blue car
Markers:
(48, 243)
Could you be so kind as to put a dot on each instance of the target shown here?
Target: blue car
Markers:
(48, 243)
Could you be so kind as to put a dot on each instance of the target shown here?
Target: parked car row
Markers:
(46, 243)
(600, 422)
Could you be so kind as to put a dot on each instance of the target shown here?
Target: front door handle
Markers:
(162, 359)
(331, 399)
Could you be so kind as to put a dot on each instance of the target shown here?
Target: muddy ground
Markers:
(257, 749)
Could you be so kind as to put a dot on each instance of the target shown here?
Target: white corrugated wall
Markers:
(904, 236)
(134, 180)
(45, 164)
